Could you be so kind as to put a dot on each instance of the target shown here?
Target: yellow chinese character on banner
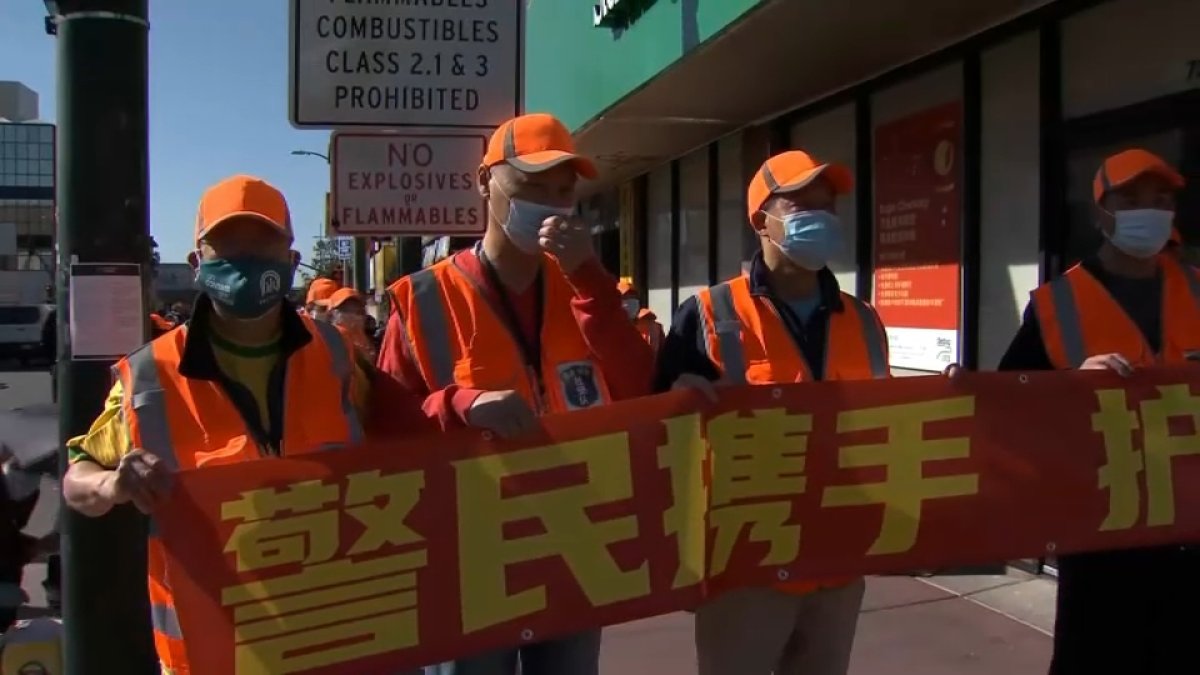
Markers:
(334, 609)
(904, 454)
(487, 504)
(683, 457)
(1124, 461)
(757, 466)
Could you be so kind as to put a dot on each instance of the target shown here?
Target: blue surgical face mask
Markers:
(245, 287)
(525, 221)
(811, 238)
(1141, 233)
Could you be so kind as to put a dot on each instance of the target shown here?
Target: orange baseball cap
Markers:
(790, 171)
(321, 291)
(534, 143)
(341, 295)
(1129, 165)
(239, 196)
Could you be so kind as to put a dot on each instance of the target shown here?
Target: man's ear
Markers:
(485, 177)
(193, 259)
(758, 223)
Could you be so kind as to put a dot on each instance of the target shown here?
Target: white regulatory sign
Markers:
(408, 184)
(404, 63)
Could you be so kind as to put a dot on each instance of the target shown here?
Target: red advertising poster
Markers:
(917, 235)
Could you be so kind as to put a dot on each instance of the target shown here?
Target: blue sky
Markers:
(218, 106)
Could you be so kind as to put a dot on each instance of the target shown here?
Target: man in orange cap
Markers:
(214, 391)
(785, 320)
(526, 323)
(348, 311)
(319, 293)
(645, 320)
(1130, 305)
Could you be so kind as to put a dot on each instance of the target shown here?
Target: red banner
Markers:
(917, 240)
(383, 557)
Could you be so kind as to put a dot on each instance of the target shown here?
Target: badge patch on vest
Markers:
(579, 387)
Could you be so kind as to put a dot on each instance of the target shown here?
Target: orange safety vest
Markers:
(1078, 318)
(749, 343)
(457, 337)
(192, 423)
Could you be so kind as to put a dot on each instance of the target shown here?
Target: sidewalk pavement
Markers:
(944, 625)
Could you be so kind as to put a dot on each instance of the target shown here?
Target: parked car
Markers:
(23, 331)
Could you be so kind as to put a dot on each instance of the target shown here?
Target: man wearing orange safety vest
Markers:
(645, 320)
(785, 320)
(1130, 305)
(319, 293)
(348, 312)
(526, 323)
(246, 378)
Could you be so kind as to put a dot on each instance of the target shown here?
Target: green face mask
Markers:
(245, 287)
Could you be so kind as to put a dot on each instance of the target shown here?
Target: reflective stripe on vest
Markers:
(166, 621)
(1069, 326)
(344, 370)
(874, 340)
(434, 327)
(1070, 323)
(728, 325)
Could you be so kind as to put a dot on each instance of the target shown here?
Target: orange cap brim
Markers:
(1172, 177)
(548, 159)
(837, 175)
(243, 214)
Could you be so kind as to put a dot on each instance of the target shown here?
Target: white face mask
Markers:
(1141, 233)
(525, 220)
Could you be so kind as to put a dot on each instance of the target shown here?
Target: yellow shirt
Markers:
(107, 441)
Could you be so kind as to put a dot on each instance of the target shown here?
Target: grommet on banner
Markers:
(527, 634)
(487, 435)
(782, 574)
(1051, 547)
(1023, 378)
(776, 393)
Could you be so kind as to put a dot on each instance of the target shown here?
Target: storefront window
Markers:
(735, 240)
(658, 245)
(1158, 45)
(693, 223)
(830, 138)
(917, 151)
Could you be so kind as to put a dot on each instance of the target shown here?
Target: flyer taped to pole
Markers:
(383, 557)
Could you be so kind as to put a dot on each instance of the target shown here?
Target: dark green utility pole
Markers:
(361, 282)
(408, 254)
(102, 218)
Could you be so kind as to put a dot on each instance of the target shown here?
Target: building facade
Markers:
(973, 129)
(27, 150)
